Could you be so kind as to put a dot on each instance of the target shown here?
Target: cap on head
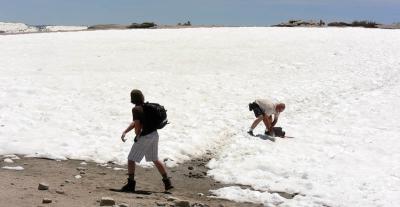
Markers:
(137, 97)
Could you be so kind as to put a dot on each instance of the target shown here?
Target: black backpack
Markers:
(155, 115)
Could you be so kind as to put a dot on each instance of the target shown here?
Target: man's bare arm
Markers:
(128, 129)
(275, 121)
(268, 123)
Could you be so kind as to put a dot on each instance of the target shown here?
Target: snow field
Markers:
(66, 95)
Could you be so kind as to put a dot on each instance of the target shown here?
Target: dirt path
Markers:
(20, 188)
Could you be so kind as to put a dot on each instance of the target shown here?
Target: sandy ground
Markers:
(20, 188)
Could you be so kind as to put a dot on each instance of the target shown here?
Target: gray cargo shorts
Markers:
(146, 146)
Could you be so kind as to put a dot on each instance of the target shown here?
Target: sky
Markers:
(201, 12)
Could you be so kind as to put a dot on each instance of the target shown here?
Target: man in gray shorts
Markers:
(146, 144)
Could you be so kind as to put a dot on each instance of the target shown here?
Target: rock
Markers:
(123, 205)
(68, 181)
(81, 169)
(179, 203)
(158, 203)
(82, 172)
(78, 176)
(47, 200)
(83, 163)
(171, 198)
(200, 194)
(8, 160)
(139, 197)
(199, 205)
(43, 186)
(190, 168)
(60, 191)
(107, 201)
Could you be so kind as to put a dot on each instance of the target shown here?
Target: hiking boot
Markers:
(167, 184)
(251, 133)
(129, 187)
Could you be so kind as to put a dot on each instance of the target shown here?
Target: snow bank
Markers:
(65, 28)
(16, 28)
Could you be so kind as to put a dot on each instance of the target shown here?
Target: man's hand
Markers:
(123, 136)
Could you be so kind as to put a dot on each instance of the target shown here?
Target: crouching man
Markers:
(267, 111)
(146, 144)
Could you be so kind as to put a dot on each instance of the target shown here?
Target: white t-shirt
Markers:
(268, 106)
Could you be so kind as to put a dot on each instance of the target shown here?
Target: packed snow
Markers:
(66, 95)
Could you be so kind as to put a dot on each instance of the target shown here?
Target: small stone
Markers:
(182, 203)
(171, 198)
(200, 194)
(139, 197)
(158, 203)
(8, 160)
(43, 186)
(221, 205)
(80, 168)
(123, 205)
(78, 176)
(60, 192)
(47, 200)
(107, 201)
(199, 205)
(83, 163)
(68, 181)
(190, 168)
(82, 172)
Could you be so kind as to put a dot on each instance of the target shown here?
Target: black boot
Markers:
(167, 184)
(129, 187)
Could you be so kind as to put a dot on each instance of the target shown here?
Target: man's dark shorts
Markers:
(256, 109)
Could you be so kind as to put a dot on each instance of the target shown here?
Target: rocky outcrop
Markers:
(144, 25)
(301, 23)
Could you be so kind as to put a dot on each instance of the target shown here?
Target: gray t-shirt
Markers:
(268, 106)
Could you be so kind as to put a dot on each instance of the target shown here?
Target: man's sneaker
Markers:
(251, 133)
(129, 187)
(167, 184)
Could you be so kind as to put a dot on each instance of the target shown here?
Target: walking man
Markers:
(146, 143)
(267, 111)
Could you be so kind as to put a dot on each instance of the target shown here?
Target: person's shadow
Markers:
(266, 137)
(142, 192)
